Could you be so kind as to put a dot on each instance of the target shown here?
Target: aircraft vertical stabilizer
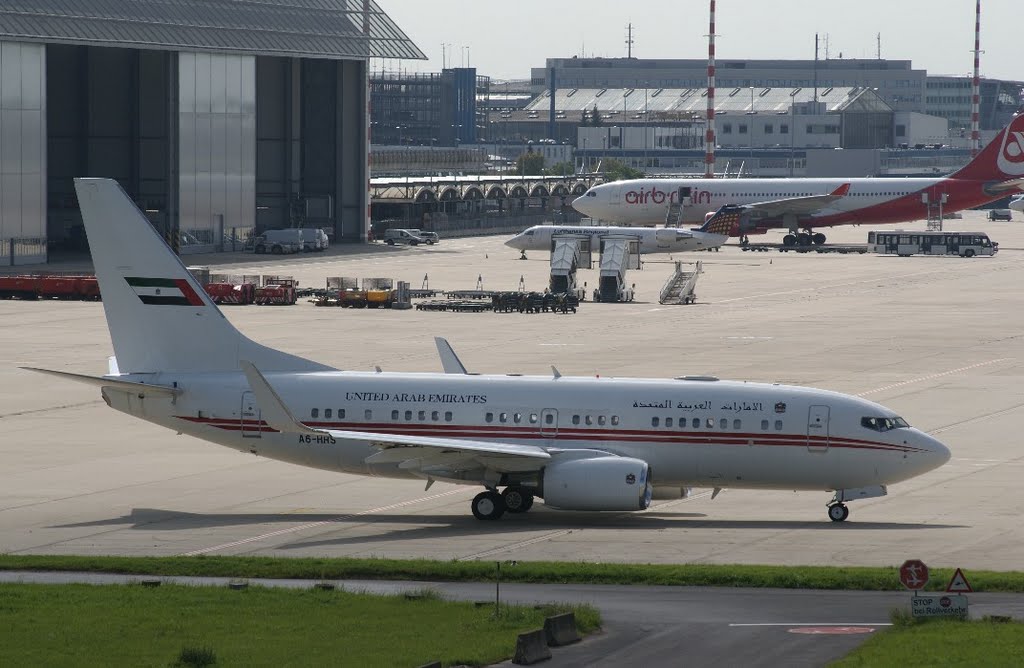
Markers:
(160, 318)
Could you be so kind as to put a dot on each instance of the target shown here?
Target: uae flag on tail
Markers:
(164, 291)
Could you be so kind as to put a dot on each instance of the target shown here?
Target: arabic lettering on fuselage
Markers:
(416, 397)
(733, 407)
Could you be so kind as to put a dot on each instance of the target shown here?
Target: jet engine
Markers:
(598, 483)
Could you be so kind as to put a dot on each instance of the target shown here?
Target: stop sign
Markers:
(914, 574)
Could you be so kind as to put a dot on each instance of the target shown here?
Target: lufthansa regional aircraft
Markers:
(577, 443)
(758, 205)
(652, 239)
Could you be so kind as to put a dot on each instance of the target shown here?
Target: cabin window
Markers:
(575, 419)
(723, 423)
(600, 420)
(447, 416)
(736, 424)
(517, 418)
(764, 425)
(487, 418)
(682, 423)
(422, 416)
(368, 414)
(503, 417)
(668, 422)
(394, 415)
(654, 422)
(533, 418)
(408, 416)
(341, 413)
(549, 418)
(710, 423)
(327, 413)
(589, 420)
(778, 425)
(696, 423)
(314, 413)
(615, 420)
(435, 416)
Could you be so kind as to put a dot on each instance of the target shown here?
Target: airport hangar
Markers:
(213, 116)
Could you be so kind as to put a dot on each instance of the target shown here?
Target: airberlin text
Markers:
(657, 196)
(420, 398)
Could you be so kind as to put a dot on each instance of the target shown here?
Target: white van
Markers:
(392, 237)
(279, 242)
(314, 239)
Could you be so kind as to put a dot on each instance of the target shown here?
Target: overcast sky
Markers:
(505, 39)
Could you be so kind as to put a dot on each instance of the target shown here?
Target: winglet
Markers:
(272, 408)
(450, 362)
(840, 191)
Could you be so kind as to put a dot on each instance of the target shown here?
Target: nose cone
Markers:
(515, 242)
(584, 205)
(933, 452)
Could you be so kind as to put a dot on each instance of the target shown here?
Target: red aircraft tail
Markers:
(1002, 159)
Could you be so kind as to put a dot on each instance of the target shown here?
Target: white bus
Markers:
(906, 243)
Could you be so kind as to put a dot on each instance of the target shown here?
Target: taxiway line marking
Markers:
(314, 525)
(815, 624)
(931, 376)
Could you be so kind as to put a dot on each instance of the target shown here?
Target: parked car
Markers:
(399, 236)
(430, 237)
(314, 239)
(1000, 214)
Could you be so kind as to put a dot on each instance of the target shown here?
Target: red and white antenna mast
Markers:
(709, 137)
(976, 84)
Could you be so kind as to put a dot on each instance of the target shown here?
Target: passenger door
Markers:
(817, 429)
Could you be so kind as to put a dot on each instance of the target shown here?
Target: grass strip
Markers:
(783, 577)
(941, 642)
(133, 625)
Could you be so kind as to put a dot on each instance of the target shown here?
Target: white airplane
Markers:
(1017, 203)
(577, 443)
(758, 205)
(652, 239)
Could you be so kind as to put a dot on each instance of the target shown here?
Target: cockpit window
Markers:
(591, 194)
(528, 233)
(883, 423)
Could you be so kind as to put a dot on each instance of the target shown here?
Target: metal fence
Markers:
(30, 250)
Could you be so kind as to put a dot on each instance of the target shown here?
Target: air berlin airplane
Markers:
(754, 206)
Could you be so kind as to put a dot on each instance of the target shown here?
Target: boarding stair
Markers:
(569, 253)
(679, 289)
(619, 253)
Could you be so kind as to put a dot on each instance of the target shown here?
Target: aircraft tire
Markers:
(818, 238)
(488, 506)
(789, 240)
(838, 512)
(516, 499)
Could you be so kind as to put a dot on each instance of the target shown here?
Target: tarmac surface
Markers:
(940, 340)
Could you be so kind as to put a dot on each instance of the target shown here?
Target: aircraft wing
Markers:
(800, 206)
(413, 452)
(1005, 186)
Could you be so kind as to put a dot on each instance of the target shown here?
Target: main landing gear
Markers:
(803, 239)
(489, 505)
(838, 512)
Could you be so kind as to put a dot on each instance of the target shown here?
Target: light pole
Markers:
(646, 87)
(752, 112)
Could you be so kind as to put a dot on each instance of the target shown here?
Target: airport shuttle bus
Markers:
(906, 243)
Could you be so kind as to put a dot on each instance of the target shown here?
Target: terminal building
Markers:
(217, 117)
(896, 82)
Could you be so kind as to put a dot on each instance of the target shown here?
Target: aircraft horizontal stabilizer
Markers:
(1005, 186)
(125, 385)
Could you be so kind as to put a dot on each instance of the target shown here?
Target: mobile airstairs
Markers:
(679, 289)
